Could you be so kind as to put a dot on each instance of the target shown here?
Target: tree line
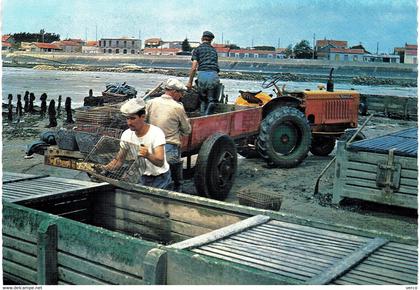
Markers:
(42, 36)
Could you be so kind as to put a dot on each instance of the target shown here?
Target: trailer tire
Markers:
(216, 166)
(322, 146)
(285, 137)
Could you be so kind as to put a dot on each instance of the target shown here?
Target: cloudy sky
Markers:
(383, 23)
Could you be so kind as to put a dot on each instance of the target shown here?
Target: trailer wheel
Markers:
(322, 146)
(285, 137)
(215, 168)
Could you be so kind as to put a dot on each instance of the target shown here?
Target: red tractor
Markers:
(295, 123)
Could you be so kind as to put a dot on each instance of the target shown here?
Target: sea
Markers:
(76, 84)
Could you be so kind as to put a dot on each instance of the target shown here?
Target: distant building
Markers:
(69, 46)
(91, 47)
(7, 42)
(387, 58)
(123, 45)
(251, 53)
(153, 42)
(344, 54)
(160, 51)
(410, 54)
(43, 47)
(323, 46)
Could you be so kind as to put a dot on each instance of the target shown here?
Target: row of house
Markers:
(335, 50)
(338, 50)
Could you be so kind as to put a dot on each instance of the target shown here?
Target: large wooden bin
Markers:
(97, 234)
(382, 170)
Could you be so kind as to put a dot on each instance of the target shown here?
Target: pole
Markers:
(96, 32)
(313, 51)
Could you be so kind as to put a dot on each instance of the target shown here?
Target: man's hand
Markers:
(143, 151)
(189, 85)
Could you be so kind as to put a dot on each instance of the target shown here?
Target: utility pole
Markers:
(222, 38)
(96, 32)
(86, 34)
(278, 43)
(252, 44)
(313, 51)
(377, 48)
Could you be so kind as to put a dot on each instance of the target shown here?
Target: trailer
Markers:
(62, 231)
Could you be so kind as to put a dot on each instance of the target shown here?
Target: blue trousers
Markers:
(161, 181)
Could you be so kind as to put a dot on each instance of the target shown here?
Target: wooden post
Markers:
(155, 263)
(47, 253)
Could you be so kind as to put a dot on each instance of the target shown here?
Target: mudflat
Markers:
(296, 185)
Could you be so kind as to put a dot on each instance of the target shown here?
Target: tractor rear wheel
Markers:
(285, 137)
(322, 146)
(216, 166)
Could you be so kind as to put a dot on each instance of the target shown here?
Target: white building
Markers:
(123, 45)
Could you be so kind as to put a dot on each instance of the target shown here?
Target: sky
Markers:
(376, 24)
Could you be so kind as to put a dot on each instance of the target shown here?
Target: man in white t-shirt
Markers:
(150, 140)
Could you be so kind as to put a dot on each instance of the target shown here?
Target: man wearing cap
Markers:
(150, 141)
(205, 61)
(167, 113)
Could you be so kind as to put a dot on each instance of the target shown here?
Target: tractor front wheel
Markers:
(216, 166)
(285, 137)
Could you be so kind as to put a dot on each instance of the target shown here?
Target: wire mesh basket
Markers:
(271, 201)
(105, 116)
(116, 159)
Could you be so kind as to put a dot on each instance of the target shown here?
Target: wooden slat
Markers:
(374, 158)
(372, 184)
(318, 231)
(188, 211)
(15, 279)
(304, 235)
(221, 233)
(318, 242)
(292, 246)
(380, 271)
(47, 253)
(163, 223)
(327, 249)
(102, 273)
(283, 252)
(390, 266)
(28, 261)
(72, 277)
(19, 245)
(376, 196)
(295, 261)
(348, 262)
(19, 271)
(102, 246)
(284, 271)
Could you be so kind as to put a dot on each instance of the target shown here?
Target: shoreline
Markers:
(297, 70)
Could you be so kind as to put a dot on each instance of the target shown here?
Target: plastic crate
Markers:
(261, 200)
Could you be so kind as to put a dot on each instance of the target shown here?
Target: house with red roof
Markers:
(69, 45)
(7, 42)
(43, 47)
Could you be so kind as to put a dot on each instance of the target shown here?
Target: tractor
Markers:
(294, 123)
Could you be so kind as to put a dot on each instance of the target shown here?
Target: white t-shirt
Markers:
(153, 138)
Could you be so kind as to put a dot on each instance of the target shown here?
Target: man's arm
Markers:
(194, 67)
(117, 162)
(157, 157)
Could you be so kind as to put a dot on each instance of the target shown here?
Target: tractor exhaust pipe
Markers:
(330, 83)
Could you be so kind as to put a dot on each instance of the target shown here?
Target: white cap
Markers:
(132, 106)
(174, 84)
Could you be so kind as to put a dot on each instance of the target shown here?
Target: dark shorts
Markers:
(159, 181)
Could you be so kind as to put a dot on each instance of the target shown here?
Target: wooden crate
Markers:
(141, 235)
(382, 170)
